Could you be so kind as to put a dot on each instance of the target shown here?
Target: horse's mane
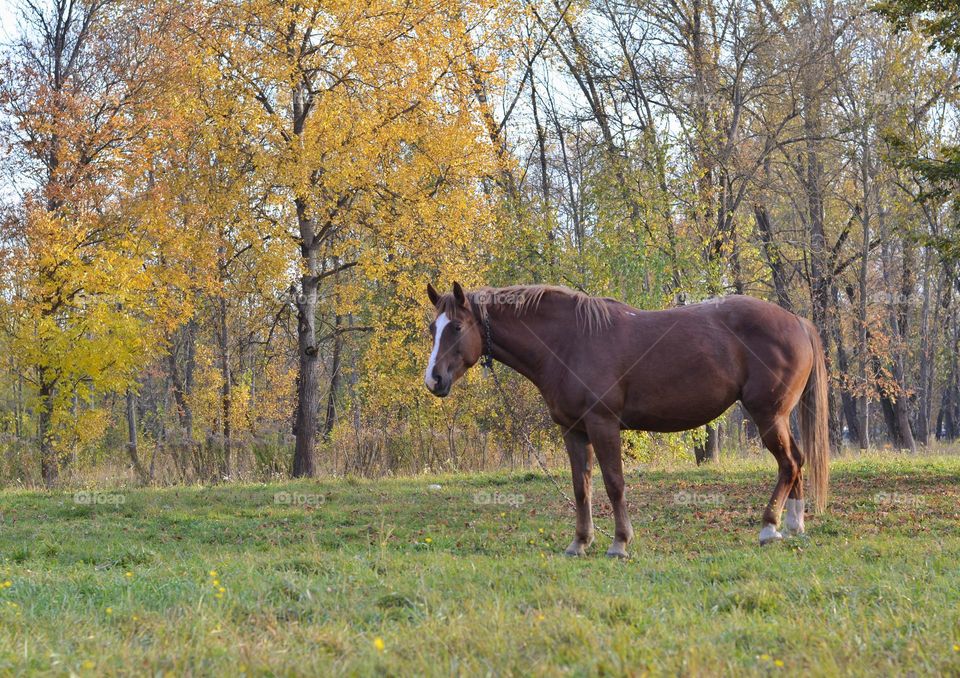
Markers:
(593, 313)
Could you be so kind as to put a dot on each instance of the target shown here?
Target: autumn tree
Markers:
(367, 115)
(76, 94)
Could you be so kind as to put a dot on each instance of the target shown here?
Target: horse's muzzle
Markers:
(440, 387)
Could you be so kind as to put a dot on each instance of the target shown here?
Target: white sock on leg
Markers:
(794, 521)
(769, 533)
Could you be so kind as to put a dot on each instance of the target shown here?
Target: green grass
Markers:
(451, 586)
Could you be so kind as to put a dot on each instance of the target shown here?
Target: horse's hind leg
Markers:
(794, 520)
(581, 465)
(775, 433)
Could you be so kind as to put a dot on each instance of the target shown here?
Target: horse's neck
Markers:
(520, 342)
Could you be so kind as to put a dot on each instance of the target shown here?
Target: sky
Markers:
(8, 20)
(8, 26)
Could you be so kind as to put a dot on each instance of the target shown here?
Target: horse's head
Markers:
(457, 340)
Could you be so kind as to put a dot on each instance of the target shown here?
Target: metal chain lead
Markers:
(487, 361)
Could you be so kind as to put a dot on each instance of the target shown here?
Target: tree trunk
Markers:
(544, 169)
(331, 419)
(954, 409)
(946, 423)
(226, 392)
(925, 391)
(709, 451)
(898, 403)
(18, 416)
(132, 446)
(820, 272)
(185, 343)
(868, 195)
(908, 281)
(772, 254)
(305, 427)
(895, 415)
(890, 419)
(847, 400)
(49, 466)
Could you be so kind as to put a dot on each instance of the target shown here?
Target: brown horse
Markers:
(603, 366)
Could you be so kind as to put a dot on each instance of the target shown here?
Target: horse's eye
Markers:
(455, 327)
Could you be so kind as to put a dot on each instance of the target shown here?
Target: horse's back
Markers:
(751, 322)
(685, 366)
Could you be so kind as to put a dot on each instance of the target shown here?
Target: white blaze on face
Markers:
(441, 323)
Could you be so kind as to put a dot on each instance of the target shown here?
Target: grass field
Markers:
(395, 577)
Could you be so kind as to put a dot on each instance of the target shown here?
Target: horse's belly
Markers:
(668, 417)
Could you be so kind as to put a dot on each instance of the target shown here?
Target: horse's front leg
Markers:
(581, 465)
(605, 437)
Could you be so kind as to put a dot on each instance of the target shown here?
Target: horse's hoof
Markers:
(617, 553)
(769, 534)
(576, 549)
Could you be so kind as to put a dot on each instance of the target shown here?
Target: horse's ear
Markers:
(432, 293)
(459, 295)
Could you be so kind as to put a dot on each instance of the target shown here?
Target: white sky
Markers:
(8, 28)
(8, 19)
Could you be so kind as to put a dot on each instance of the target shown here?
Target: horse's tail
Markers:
(814, 429)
